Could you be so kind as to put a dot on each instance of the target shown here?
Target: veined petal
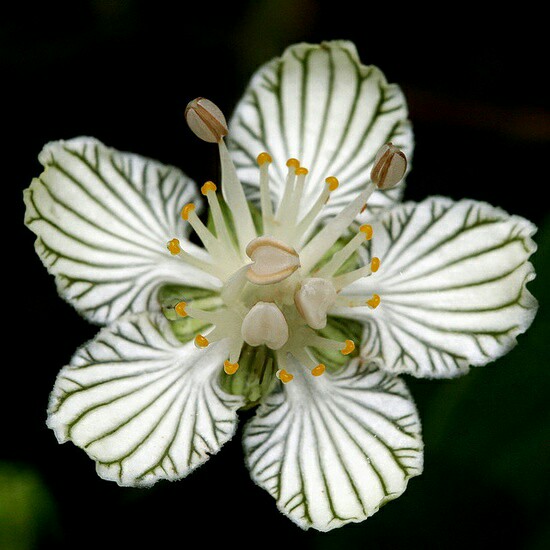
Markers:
(332, 449)
(319, 104)
(102, 220)
(452, 284)
(141, 404)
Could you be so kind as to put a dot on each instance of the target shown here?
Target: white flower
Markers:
(300, 300)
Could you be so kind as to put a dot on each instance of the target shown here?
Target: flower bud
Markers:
(390, 165)
(206, 120)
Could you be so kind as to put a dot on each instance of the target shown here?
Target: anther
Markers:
(301, 171)
(390, 165)
(349, 346)
(206, 120)
(265, 324)
(201, 341)
(375, 264)
(284, 376)
(367, 230)
(374, 302)
(174, 247)
(262, 158)
(230, 368)
(332, 183)
(273, 260)
(208, 186)
(318, 370)
(313, 300)
(179, 308)
(186, 210)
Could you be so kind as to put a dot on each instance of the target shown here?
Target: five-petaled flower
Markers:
(313, 290)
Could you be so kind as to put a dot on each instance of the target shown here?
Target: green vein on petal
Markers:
(332, 449)
(143, 406)
(102, 220)
(321, 105)
(452, 284)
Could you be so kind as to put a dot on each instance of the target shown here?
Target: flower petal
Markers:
(141, 404)
(333, 449)
(452, 284)
(102, 220)
(318, 103)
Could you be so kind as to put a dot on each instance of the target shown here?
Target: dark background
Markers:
(123, 72)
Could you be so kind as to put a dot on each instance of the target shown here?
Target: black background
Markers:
(123, 72)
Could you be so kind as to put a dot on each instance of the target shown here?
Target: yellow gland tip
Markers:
(201, 341)
(349, 346)
(332, 183)
(374, 302)
(375, 264)
(208, 186)
(284, 377)
(186, 210)
(318, 370)
(230, 368)
(367, 230)
(294, 163)
(179, 308)
(174, 247)
(301, 171)
(262, 158)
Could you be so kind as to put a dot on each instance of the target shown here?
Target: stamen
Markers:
(208, 240)
(264, 160)
(273, 261)
(308, 218)
(374, 302)
(201, 341)
(234, 196)
(348, 348)
(209, 189)
(293, 165)
(230, 368)
(174, 247)
(342, 281)
(332, 183)
(208, 186)
(390, 165)
(313, 300)
(367, 230)
(206, 120)
(186, 210)
(324, 239)
(318, 370)
(375, 264)
(339, 258)
(294, 207)
(284, 376)
(180, 309)
(265, 324)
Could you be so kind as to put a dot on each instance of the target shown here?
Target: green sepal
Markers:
(339, 329)
(255, 377)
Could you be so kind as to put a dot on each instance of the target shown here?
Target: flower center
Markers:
(279, 287)
(280, 278)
